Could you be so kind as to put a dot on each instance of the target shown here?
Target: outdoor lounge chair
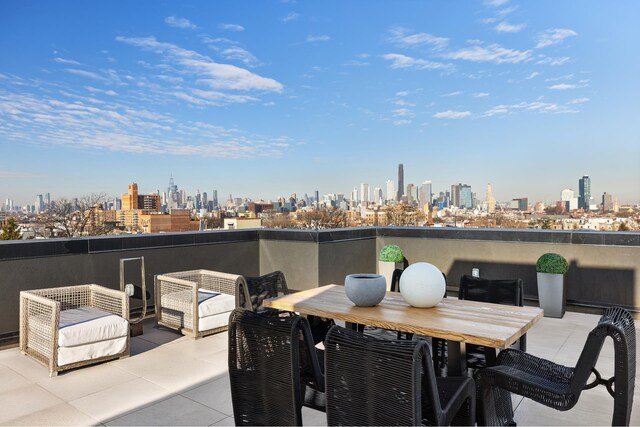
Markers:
(197, 302)
(68, 327)
(373, 381)
(559, 386)
(273, 368)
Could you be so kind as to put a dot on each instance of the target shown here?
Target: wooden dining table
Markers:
(460, 322)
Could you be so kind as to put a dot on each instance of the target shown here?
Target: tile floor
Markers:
(173, 380)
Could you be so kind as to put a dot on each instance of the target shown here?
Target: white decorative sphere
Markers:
(422, 285)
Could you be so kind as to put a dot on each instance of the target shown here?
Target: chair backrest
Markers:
(618, 324)
(266, 357)
(257, 289)
(371, 381)
(508, 292)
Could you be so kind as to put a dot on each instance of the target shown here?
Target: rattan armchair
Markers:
(372, 381)
(68, 327)
(559, 386)
(197, 302)
(273, 368)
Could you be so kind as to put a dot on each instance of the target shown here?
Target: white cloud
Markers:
(96, 90)
(400, 37)
(403, 112)
(404, 61)
(176, 22)
(66, 61)
(291, 16)
(217, 76)
(402, 122)
(84, 73)
(578, 101)
(492, 53)
(495, 3)
(532, 75)
(456, 93)
(553, 36)
(452, 114)
(403, 93)
(239, 54)
(546, 60)
(505, 27)
(480, 95)
(319, 38)
(537, 106)
(14, 174)
(563, 86)
(230, 27)
(555, 79)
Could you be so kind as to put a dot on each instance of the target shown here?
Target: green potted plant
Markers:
(390, 258)
(551, 284)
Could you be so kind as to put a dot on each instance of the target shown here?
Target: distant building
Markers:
(364, 194)
(455, 195)
(491, 201)
(400, 182)
(425, 195)
(570, 202)
(391, 190)
(133, 200)
(584, 188)
(466, 198)
(607, 202)
(241, 223)
(521, 204)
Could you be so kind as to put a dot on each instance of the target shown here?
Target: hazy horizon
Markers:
(265, 99)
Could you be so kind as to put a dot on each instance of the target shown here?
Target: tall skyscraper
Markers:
(400, 182)
(425, 195)
(47, 201)
(466, 198)
(354, 196)
(391, 190)
(364, 193)
(214, 198)
(607, 202)
(377, 195)
(584, 188)
(130, 198)
(568, 200)
(39, 203)
(491, 202)
(317, 197)
(412, 194)
(455, 195)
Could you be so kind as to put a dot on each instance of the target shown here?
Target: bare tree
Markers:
(324, 218)
(75, 218)
(404, 215)
(274, 219)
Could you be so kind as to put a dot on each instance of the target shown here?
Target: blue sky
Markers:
(268, 98)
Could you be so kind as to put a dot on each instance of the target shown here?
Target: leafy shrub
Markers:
(391, 253)
(552, 263)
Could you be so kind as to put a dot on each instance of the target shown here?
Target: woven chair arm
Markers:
(110, 300)
(40, 301)
(220, 282)
(535, 366)
(175, 284)
(45, 314)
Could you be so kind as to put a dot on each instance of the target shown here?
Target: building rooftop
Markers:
(174, 380)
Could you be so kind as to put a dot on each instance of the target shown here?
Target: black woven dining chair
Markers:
(372, 381)
(273, 369)
(559, 386)
(272, 285)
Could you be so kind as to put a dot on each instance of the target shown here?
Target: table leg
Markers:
(456, 359)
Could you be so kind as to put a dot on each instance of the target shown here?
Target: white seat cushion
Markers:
(213, 322)
(210, 303)
(86, 325)
(95, 350)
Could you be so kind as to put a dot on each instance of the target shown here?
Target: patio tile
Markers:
(140, 345)
(229, 421)
(159, 335)
(214, 394)
(81, 382)
(59, 415)
(120, 399)
(23, 401)
(311, 417)
(25, 366)
(175, 411)
(10, 379)
(171, 369)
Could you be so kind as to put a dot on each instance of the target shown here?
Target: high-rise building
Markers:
(47, 200)
(584, 188)
(39, 203)
(466, 198)
(214, 198)
(130, 198)
(412, 194)
(607, 202)
(491, 202)
(425, 195)
(521, 204)
(354, 197)
(569, 201)
(400, 182)
(455, 195)
(377, 196)
(317, 193)
(391, 190)
(364, 194)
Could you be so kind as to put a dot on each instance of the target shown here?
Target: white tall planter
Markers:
(551, 293)
(386, 269)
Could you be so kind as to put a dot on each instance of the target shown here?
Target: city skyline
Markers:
(298, 97)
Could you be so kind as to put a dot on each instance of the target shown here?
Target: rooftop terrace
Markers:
(173, 380)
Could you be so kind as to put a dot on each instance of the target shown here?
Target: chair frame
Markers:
(559, 386)
(274, 280)
(185, 319)
(407, 393)
(296, 388)
(42, 343)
